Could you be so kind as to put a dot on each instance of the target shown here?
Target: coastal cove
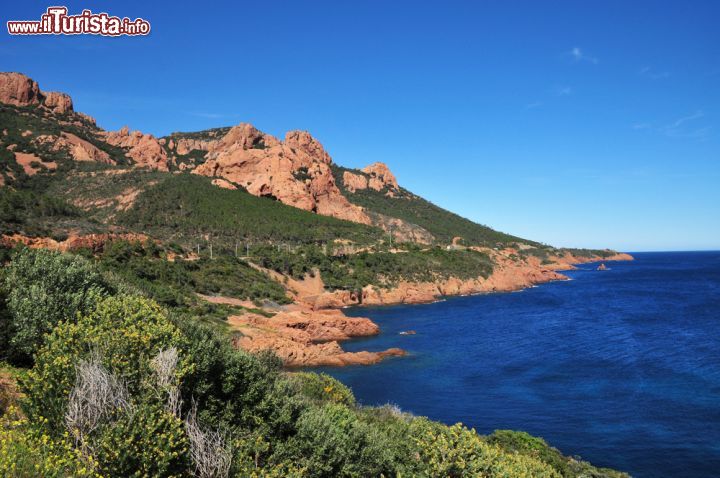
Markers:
(619, 366)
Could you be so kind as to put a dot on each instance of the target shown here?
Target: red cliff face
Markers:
(295, 171)
(144, 149)
(58, 102)
(377, 177)
(380, 177)
(19, 90)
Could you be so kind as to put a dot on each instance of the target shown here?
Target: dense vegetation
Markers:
(126, 388)
(174, 282)
(202, 135)
(32, 213)
(378, 267)
(188, 208)
(442, 224)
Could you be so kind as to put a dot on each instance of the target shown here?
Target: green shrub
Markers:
(332, 442)
(525, 444)
(149, 443)
(234, 389)
(322, 388)
(174, 283)
(44, 289)
(187, 208)
(127, 331)
(459, 452)
(27, 453)
(378, 268)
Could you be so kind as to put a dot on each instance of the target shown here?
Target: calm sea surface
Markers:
(621, 367)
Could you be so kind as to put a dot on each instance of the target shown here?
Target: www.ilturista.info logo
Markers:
(56, 21)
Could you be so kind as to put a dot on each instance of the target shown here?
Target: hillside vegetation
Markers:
(185, 207)
(442, 224)
(122, 387)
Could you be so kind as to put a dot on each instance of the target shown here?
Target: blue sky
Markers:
(588, 124)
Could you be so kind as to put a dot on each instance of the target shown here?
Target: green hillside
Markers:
(185, 207)
(442, 224)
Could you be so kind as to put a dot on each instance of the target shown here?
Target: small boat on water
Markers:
(408, 332)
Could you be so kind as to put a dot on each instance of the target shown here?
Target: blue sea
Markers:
(620, 367)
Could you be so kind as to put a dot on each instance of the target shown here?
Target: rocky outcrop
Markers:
(58, 102)
(19, 90)
(401, 230)
(185, 145)
(78, 148)
(144, 149)
(223, 183)
(295, 171)
(354, 182)
(301, 336)
(377, 176)
(380, 177)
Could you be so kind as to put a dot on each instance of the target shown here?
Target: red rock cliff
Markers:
(296, 171)
(19, 90)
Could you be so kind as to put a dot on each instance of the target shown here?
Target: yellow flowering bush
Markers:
(459, 452)
(150, 442)
(126, 331)
(323, 387)
(25, 452)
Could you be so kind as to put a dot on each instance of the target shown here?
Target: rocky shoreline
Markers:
(308, 332)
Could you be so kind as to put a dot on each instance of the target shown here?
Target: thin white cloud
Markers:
(683, 127)
(533, 105)
(698, 133)
(653, 74)
(685, 119)
(563, 91)
(579, 55)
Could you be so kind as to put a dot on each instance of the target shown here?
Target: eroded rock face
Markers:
(354, 182)
(59, 102)
(380, 177)
(19, 90)
(185, 145)
(144, 149)
(401, 230)
(304, 338)
(78, 148)
(295, 171)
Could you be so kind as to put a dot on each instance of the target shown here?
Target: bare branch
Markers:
(165, 367)
(209, 450)
(96, 395)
